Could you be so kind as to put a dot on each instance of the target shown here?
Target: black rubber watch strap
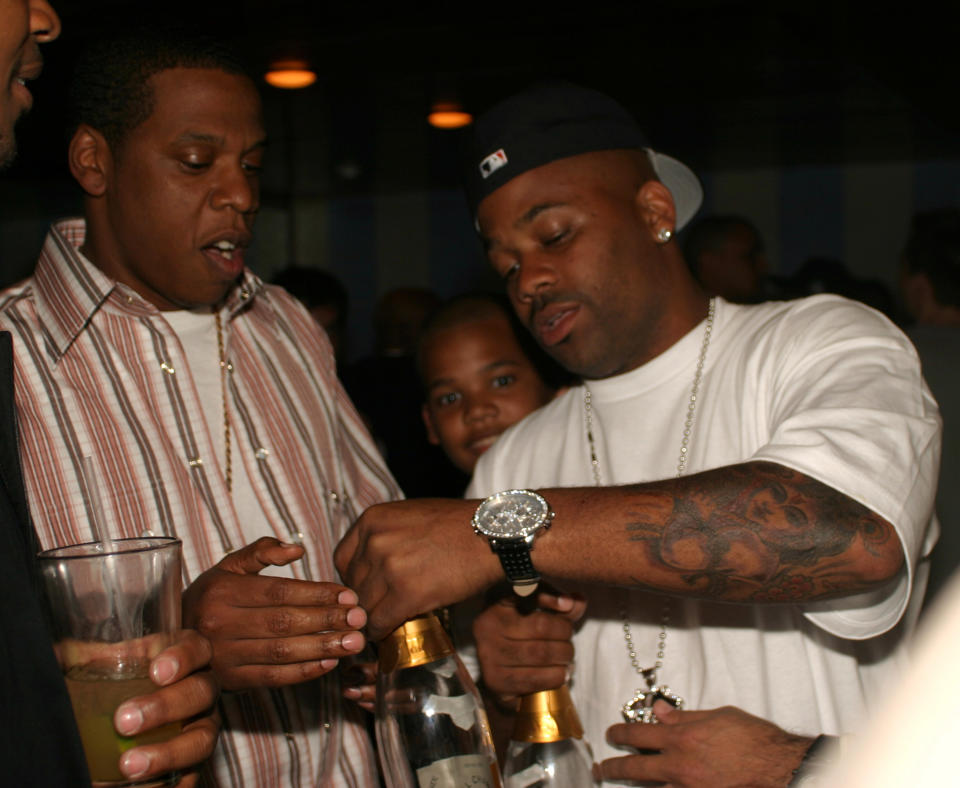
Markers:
(514, 555)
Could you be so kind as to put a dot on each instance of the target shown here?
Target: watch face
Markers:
(512, 514)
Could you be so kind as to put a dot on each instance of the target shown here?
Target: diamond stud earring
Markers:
(664, 235)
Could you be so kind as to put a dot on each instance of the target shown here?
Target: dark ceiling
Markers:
(720, 84)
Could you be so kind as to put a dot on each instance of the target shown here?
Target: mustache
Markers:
(541, 301)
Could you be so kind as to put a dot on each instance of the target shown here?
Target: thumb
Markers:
(570, 606)
(667, 713)
(265, 552)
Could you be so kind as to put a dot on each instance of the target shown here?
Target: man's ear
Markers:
(655, 207)
(428, 423)
(90, 160)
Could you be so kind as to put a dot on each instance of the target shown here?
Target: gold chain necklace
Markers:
(640, 707)
(225, 369)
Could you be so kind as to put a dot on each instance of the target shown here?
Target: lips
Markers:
(22, 75)
(553, 322)
(227, 251)
(479, 444)
(30, 70)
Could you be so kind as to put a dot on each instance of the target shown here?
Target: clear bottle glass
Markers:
(431, 726)
(547, 748)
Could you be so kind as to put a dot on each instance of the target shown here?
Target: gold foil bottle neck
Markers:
(547, 716)
(416, 642)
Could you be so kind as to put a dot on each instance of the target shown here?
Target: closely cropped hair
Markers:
(110, 89)
(468, 307)
(933, 248)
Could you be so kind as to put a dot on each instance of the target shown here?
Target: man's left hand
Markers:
(187, 693)
(720, 748)
(410, 557)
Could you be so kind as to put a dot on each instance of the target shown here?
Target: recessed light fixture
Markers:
(290, 75)
(449, 115)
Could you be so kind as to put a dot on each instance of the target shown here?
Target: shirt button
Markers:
(261, 453)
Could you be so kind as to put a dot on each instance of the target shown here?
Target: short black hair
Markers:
(708, 234)
(468, 307)
(110, 87)
(933, 249)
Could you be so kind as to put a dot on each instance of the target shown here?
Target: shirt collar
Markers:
(70, 289)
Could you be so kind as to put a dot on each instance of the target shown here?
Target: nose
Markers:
(534, 274)
(477, 407)
(44, 22)
(238, 189)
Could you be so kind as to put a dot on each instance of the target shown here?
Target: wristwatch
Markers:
(510, 521)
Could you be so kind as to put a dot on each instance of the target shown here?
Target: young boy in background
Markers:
(481, 373)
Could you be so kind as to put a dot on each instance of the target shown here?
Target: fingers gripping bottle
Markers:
(432, 730)
(547, 748)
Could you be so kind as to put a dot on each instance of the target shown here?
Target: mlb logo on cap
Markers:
(492, 163)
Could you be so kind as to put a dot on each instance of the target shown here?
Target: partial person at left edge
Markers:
(40, 745)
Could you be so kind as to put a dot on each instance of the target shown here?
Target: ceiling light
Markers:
(448, 115)
(290, 75)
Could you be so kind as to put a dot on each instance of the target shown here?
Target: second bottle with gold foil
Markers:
(547, 748)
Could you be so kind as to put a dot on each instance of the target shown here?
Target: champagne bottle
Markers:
(431, 726)
(547, 748)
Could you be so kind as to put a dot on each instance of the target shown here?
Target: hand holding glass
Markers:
(113, 608)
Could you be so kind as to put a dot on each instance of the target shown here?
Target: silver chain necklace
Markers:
(640, 707)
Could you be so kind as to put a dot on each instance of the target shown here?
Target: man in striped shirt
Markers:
(206, 400)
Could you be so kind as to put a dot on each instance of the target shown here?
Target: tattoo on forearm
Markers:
(759, 532)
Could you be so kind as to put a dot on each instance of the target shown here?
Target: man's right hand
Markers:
(523, 652)
(271, 631)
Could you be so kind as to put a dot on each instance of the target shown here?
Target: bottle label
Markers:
(533, 775)
(462, 709)
(460, 771)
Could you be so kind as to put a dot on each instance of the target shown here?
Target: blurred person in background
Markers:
(827, 275)
(930, 285)
(727, 257)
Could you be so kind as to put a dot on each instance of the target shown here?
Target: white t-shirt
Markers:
(822, 385)
(197, 332)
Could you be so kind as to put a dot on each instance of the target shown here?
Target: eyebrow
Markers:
(528, 217)
(506, 362)
(536, 210)
(213, 139)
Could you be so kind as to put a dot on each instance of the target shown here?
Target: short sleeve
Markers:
(852, 411)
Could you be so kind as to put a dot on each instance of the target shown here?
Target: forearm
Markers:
(756, 532)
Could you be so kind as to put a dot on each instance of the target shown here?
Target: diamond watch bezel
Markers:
(497, 517)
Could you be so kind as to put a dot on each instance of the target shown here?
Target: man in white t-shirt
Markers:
(743, 495)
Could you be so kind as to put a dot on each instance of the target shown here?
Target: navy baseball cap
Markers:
(554, 120)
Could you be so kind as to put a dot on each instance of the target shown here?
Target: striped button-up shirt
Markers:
(100, 374)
